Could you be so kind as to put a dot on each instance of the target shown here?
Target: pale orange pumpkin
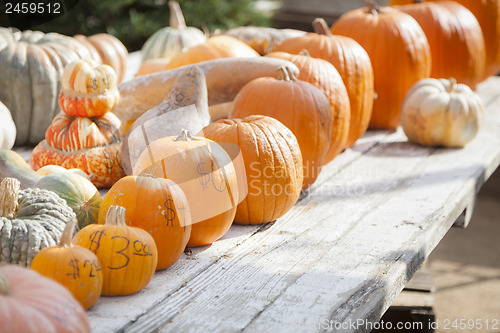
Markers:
(75, 267)
(31, 303)
(323, 75)
(205, 172)
(300, 106)
(215, 47)
(128, 255)
(399, 53)
(156, 205)
(455, 38)
(353, 64)
(273, 165)
(88, 90)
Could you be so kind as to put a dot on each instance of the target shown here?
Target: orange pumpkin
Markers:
(75, 267)
(30, 303)
(128, 255)
(205, 172)
(399, 52)
(487, 12)
(215, 47)
(273, 165)
(300, 106)
(156, 205)
(323, 75)
(88, 90)
(353, 64)
(455, 38)
(90, 144)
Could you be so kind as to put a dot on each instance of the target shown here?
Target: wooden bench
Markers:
(338, 259)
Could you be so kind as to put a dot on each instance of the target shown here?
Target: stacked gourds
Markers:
(86, 134)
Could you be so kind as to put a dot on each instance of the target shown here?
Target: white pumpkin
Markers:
(439, 112)
(7, 128)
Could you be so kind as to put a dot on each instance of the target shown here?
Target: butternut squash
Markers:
(224, 79)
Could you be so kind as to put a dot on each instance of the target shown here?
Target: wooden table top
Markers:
(343, 252)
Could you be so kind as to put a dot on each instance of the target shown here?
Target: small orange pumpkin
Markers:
(42, 304)
(88, 90)
(75, 267)
(399, 53)
(300, 106)
(156, 205)
(273, 165)
(205, 172)
(323, 75)
(353, 64)
(128, 255)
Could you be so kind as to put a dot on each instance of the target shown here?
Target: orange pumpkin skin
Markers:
(354, 66)
(102, 163)
(399, 52)
(75, 267)
(323, 75)
(87, 90)
(156, 205)
(205, 173)
(455, 38)
(215, 47)
(90, 144)
(487, 13)
(300, 106)
(273, 165)
(128, 255)
(44, 304)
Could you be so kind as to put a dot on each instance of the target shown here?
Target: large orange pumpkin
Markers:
(487, 12)
(300, 106)
(205, 172)
(399, 52)
(32, 303)
(156, 205)
(90, 144)
(353, 64)
(273, 165)
(323, 75)
(220, 46)
(455, 38)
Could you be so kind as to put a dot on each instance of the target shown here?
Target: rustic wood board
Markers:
(343, 253)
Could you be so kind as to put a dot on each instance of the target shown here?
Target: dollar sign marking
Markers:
(205, 176)
(95, 240)
(169, 212)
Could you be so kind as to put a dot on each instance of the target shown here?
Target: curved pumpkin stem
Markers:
(116, 216)
(373, 7)
(321, 27)
(184, 135)
(176, 18)
(9, 191)
(5, 289)
(305, 53)
(282, 73)
(67, 234)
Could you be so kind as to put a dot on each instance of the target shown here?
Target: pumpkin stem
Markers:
(305, 53)
(5, 289)
(321, 27)
(116, 215)
(373, 7)
(9, 191)
(452, 86)
(184, 135)
(176, 18)
(67, 234)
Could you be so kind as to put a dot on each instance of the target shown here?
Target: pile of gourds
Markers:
(267, 109)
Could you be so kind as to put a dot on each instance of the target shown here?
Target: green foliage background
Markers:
(133, 21)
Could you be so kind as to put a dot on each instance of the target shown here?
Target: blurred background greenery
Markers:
(133, 21)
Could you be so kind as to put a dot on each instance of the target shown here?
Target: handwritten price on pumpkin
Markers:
(74, 264)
